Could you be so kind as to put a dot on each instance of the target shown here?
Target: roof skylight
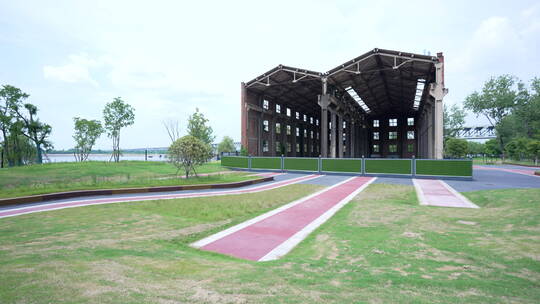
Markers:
(419, 91)
(357, 98)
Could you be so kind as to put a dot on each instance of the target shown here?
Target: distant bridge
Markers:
(481, 132)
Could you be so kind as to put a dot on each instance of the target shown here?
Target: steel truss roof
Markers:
(385, 80)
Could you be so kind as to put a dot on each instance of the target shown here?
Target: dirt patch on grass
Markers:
(325, 247)
(431, 253)
(412, 235)
(527, 274)
(466, 222)
(449, 268)
(374, 207)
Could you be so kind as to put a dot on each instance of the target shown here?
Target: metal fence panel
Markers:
(444, 167)
(342, 165)
(301, 164)
(388, 166)
(234, 161)
(266, 162)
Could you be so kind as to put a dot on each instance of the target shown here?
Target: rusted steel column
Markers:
(339, 131)
(243, 114)
(333, 129)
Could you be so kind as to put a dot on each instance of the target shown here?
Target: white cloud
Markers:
(77, 70)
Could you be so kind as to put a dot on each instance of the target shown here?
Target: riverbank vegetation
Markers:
(55, 177)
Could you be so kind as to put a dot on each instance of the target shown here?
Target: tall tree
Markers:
(456, 148)
(533, 148)
(495, 102)
(86, 134)
(10, 98)
(454, 119)
(527, 110)
(34, 129)
(198, 127)
(117, 115)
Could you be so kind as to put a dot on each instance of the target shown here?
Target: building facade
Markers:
(381, 104)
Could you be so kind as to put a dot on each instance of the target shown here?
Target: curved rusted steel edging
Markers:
(83, 193)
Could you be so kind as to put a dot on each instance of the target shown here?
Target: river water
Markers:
(62, 158)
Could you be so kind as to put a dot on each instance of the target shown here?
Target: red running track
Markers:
(274, 234)
(86, 202)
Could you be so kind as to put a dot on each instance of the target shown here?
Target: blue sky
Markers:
(168, 57)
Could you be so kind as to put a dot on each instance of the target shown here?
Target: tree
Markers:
(34, 130)
(526, 115)
(187, 153)
(197, 127)
(533, 148)
(173, 129)
(456, 148)
(496, 101)
(117, 114)
(517, 148)
(243, 151)
(10, 98)
(475, 148)
(86, 134)
(491, 148)
(226, 145)
(454, 119)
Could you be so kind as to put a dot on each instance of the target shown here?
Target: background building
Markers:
(381, 104)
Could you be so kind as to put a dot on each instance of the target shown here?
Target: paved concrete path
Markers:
(273, 234)
(511, 169)
(18, 210)
(432, 192)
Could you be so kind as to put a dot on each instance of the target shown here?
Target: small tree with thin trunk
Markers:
(197, 127)
(117, 114)
(187, 153)
(86, 134)
(173, 129)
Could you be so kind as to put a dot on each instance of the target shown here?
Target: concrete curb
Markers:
(83, 193)
(522, 165)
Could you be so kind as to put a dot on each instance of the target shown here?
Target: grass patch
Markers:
(383, 247)
(57, 177)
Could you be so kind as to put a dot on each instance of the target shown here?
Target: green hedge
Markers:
(390, 166)
(234, 161)
(305, 164)
(266, 163)
(444, 167)
(342, 165)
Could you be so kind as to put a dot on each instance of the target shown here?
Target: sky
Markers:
(167, 58)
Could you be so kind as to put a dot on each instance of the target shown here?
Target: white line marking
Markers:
(465, 200)
(298, 237)
(420, 193)
(233, 229)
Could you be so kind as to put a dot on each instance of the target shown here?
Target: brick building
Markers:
(381, 104)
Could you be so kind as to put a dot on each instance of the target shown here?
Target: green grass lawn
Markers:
(380, 248)
(55, 177)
